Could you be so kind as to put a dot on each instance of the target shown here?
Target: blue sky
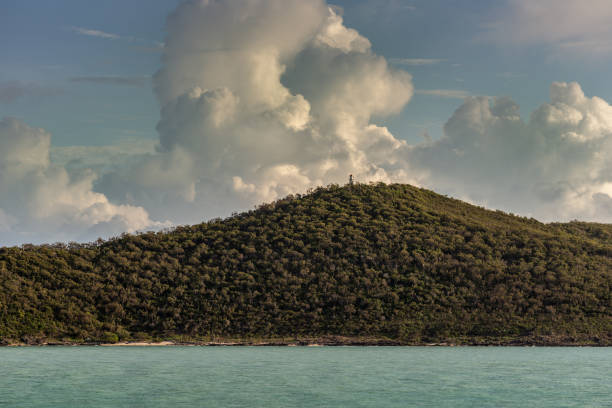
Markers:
(42, 48)
(84, 72)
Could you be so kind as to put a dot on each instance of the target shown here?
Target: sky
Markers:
(127, 116)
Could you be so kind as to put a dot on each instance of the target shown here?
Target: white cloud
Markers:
(553, 167)
(444, 93)
(583, 27)
(335, 35)
(95, 33)
(261, 99)
(40, 201)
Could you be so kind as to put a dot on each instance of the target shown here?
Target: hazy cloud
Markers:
(113, 80)
(156, 47)
(510, 75)
(444, 93)
(95, 33)
(11, 91)
(583, 28)
(415, 61)
(102, 159)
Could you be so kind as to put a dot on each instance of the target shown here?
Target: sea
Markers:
(195, 376)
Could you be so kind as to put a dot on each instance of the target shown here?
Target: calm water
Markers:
(305, 377)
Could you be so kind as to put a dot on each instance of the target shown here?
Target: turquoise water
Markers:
(305, 377)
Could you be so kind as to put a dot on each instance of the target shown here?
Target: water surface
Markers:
(305, 377)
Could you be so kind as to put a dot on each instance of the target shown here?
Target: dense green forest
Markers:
(364, 261)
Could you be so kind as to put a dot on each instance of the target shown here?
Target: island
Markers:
(361, 264)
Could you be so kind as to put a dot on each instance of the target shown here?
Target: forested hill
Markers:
(364, 261)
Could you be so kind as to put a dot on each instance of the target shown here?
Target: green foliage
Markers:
(110, 337)
(389, 261)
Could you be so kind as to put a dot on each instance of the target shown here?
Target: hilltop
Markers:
(359, 264)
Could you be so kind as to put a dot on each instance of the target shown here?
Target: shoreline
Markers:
(334, 341)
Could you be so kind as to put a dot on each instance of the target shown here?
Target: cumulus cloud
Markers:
(40, 201)
(583, 28)
(555, 166)
(260, 99)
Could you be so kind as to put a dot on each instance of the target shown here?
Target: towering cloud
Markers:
(260, 99)
(41, 202)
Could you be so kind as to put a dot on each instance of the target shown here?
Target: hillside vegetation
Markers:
(364, 261)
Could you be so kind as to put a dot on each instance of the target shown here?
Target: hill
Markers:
(370, 263)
